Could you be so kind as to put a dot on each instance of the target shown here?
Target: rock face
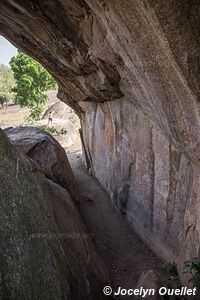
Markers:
(65, 121)
(130, 69)
(45, 250)
(59, 110)
(149, 280)
(46, 152)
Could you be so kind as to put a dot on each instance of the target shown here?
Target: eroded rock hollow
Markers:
(130, 69)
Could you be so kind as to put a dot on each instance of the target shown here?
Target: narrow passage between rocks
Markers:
(123, 252)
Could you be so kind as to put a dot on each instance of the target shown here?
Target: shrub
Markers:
(48, 129)
(171, 279)
(74, 119)
(193, 268)
(52, 130)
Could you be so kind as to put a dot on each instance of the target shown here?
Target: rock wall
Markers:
(149, 181)
(130, 69)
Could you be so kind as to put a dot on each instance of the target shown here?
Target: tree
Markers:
(31, 81)
(6, 84)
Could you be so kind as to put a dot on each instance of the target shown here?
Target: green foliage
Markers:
(48, 129)
(171, 279)
(74, 119)
(171, 268)
(52, 130)
(31, 81)
(3, 99)
(193, 268)
(6, 84)
(35, 113)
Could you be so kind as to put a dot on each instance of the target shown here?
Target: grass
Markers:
(52, 130)
(74, 119)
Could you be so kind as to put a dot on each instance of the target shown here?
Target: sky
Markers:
(7, 50)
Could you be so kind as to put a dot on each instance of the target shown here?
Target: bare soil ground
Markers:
(123, 252)
(14, 115)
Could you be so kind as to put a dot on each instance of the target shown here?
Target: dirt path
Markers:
(125, 255)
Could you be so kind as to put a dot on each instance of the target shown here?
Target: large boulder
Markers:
(60, 111)
(46, 152)
(65, 122)
(45, 250)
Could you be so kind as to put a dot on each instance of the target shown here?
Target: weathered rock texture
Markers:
(46, 152)
(149, 280)
(45, 251)
(66, 123)
(131, 71)
(59, 110)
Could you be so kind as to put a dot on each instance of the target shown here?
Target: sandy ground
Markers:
(13, 116)
(123, 252)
